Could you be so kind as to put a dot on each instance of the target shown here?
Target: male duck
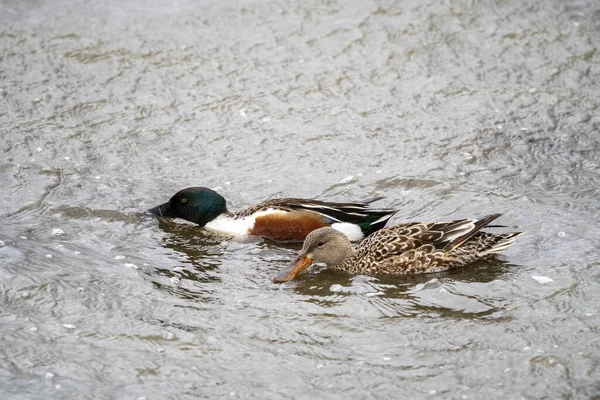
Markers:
(415, 247)
(277, 219)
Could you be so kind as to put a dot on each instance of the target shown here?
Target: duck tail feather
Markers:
(504, 242)
(477, 226)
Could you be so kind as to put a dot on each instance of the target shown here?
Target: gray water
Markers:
(450, 109)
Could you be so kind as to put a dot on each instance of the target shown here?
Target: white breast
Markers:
(242, 226)
(238, 226)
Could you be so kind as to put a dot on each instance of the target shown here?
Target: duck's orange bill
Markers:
(301, 263)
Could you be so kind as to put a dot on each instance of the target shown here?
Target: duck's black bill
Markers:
(162, 211)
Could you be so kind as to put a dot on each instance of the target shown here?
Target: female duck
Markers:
(415, 247)
(277, 219)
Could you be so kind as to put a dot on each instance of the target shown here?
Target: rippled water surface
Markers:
(450, 109)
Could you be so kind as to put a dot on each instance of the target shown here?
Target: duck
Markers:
(281, 219)
(410, 248)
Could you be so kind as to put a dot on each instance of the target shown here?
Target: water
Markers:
(450, 110)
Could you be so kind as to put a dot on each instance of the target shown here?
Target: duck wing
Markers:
(358, 213)
(422, 246)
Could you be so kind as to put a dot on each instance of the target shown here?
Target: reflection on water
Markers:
(449, 110)
(199, 254)
(457, 293)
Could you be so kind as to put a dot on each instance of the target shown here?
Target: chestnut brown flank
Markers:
(289, 226)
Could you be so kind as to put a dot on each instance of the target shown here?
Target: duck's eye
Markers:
(183, 200)
(320, 244)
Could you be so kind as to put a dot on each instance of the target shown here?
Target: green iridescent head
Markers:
(195, 204)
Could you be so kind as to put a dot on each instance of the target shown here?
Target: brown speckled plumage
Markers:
(410, 248)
